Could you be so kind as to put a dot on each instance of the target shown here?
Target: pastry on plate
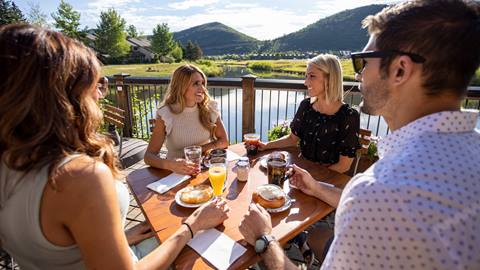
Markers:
(196, 194)
(269, 196)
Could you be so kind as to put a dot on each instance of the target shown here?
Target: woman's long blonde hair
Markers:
(175, 99)
(47, 108)
(331, 67)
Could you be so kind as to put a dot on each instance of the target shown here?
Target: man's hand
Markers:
(303, 181)
(255, 223)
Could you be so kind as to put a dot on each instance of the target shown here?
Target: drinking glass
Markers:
(193, 154)
(276, 169)
(251, 143)
(217, 174)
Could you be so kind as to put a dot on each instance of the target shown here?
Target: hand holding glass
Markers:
(193, 154)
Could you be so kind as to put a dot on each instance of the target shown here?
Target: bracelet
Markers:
(189, 228)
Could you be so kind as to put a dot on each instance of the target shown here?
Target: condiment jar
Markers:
(243, 169)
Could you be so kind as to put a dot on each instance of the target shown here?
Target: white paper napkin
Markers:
(232, 155)
(217, 248)
(165, 184)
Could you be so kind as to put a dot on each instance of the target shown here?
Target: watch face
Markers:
(260, 245)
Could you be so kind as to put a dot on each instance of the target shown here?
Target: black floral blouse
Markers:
(323, 138)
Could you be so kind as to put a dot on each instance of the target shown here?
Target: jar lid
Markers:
(242, 163)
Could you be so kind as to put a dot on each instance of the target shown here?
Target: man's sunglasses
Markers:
(358, 58)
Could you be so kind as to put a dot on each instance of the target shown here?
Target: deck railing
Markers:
(247, 104)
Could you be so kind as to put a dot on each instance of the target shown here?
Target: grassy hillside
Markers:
(217, 39)
(341, 31)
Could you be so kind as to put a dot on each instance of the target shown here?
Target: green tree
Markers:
(177, 52)
(111, 35)
(192, 51)
(132, 31)
(197, 53)
(67, 20)
(36, 16)
(162, 40)
(10, 13)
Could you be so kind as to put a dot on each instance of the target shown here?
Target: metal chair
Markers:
(364, 137)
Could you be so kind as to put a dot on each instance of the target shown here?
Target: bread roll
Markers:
(196, 194)
(269, 196)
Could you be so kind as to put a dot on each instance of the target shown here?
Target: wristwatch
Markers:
(262, 243)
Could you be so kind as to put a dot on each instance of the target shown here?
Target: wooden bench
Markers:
(130, 150)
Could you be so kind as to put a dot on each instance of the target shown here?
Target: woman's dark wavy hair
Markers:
(47, 108)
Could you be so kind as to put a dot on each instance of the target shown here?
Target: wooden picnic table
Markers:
(165, 215)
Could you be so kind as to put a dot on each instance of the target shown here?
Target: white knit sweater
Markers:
(184, 129)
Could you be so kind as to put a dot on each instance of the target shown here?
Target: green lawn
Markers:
(214, 68)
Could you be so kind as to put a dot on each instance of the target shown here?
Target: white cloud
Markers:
(106, 4)
(191, 3)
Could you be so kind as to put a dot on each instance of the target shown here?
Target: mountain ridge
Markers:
(338, 32)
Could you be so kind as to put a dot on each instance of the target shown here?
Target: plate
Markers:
(263, 160)
(187, 205)
(287, 205)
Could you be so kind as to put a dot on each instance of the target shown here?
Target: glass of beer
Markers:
(276, 169)
(251, 143)
(217, 174)
(193, 154)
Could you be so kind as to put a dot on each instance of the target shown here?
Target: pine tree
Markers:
(67, 21)
(162, 40)
(132, 31)
(192, 52)
(111, 35)
(36, 16)
(10, 13)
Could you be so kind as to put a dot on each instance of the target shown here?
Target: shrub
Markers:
(262, 66)
(278, 131)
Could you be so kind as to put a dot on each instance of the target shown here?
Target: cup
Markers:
(216, 156)
(193, 154)
(217, 174)
(251, 143)
(276, 170)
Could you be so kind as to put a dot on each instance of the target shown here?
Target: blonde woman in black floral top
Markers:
(326, 128)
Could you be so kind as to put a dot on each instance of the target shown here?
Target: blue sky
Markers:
(262, 19)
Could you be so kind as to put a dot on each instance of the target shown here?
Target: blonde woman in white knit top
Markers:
(186, 117)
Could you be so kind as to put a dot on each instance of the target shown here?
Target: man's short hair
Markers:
(445, 32)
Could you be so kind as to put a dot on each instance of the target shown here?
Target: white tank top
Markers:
(20, 232)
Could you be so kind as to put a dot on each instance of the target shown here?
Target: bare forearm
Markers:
(274, 258)
(157, 162)
(220, 143)
(164, 255)
(328, 193)
(285, 141)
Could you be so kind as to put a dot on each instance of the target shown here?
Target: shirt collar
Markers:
(440, 122)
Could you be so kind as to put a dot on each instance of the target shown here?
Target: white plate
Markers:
(187, 205)
(263, 160)
(287, 205)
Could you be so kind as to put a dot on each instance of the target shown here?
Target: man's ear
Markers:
(402, 69)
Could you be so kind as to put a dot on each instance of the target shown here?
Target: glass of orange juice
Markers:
(217, 174)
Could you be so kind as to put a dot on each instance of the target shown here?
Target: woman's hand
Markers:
(138, 233)
(208, 215)
(262, 146)
(182, 166)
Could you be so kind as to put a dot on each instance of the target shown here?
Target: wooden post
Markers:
(248, 104)
(124, 102)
